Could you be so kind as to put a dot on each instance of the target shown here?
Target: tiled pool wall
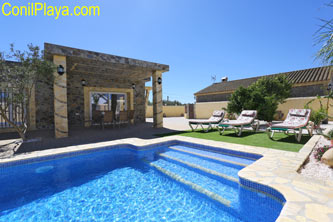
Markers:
(131, 148)
(158, 147)
(149, 152)
(263, 188)
(217, 149)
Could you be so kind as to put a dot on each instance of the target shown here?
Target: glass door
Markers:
(107, 101)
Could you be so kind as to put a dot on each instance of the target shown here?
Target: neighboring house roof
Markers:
(312, 75)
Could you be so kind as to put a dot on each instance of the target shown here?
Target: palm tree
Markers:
(324, 36)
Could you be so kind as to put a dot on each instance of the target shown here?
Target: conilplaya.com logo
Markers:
(39, 8)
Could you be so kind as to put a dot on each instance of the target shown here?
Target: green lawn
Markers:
(280, 142)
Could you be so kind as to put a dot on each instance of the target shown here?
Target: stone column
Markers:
(147, 89)
(157, 100)
(60, 99)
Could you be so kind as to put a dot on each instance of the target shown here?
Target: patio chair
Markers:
(96, 118)
(296, 121)
(123, 118)
(216, 118)
(131, 116)
(246, 119)
(108, 118)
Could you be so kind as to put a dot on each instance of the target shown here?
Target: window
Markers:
(108, 101)
(15, 112)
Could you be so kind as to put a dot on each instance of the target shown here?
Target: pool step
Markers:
(225, 193)
(217, 156)
(226, 171)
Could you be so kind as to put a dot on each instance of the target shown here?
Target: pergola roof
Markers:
(84, 61)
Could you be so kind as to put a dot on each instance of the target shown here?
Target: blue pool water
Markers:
(124, 184)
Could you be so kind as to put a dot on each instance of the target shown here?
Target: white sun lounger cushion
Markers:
(210, 120)
(250, 113)
(218, 113)
(298, 112)
(215, 118)
(245, 118)
(295, 119)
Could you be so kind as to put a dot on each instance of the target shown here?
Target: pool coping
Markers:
(306, 199)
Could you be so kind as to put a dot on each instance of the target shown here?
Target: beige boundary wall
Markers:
(205, 110)
(299, 103)
(169, 111)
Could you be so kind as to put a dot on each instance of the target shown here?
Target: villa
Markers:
(213, 177)
(86, 135)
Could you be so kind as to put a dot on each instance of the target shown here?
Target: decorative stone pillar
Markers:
(60, 99)
(147, 89)
(157, 100)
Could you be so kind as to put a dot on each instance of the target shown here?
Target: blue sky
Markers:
(196, 38)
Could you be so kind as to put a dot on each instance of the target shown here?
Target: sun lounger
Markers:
(246, 119)
(296, 121)
(216, 118)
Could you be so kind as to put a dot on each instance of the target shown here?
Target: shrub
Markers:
(317, 116)
(230, 116)
(264, 96)
(22, 77)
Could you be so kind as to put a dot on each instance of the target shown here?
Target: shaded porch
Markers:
(119, 82)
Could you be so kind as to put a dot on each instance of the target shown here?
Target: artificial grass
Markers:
(280, 142)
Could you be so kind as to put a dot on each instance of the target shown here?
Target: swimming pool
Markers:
(173, 181)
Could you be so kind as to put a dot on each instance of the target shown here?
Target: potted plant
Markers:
(317, 116)
(328, 97)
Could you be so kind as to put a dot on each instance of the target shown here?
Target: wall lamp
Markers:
(133, 86)
(83, 82)
(60, 70)
(159, 80)
(329, 87)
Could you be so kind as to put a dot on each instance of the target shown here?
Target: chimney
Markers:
(224, 79)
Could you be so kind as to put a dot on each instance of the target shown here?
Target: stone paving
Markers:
(44, 139)
(173, 123)
(306, 199)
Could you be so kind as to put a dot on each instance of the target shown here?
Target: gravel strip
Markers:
(315, 168)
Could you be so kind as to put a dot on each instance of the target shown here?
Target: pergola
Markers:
(115, 67)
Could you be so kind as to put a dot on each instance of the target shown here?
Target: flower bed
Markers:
(314, 168)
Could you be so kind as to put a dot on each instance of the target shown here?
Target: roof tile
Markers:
(296, 77)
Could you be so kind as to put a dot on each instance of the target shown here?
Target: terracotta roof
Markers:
(296, 77)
